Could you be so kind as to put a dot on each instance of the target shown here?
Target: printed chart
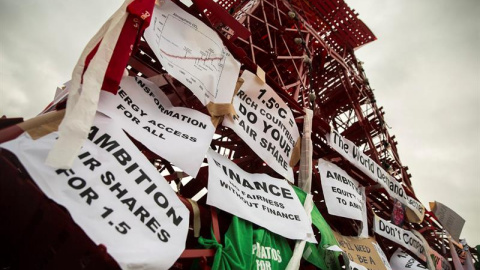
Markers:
(192, 53)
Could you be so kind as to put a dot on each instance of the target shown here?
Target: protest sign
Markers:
(343, 194)
(400, 236)
(265, 123)
(368, 166)
(450, 220)
(145, 112)
(361, 251)
(439, 262)
(192, 53)
(114, 194)
(268, 202)
(402, 260)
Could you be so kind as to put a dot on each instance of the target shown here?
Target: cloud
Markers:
(40, 44)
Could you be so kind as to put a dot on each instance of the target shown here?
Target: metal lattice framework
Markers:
(306, 49)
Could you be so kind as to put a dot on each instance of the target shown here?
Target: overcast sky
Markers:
(424, 67)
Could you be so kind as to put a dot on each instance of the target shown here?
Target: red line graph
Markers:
(191, 57)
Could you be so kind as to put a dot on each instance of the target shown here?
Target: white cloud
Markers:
(40, 44)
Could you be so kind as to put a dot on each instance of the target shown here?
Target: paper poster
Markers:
(361, 251)
(146, 113)
(192, 53)
(343, 194)
(266, 201)
(402, 260)
(398, 213)
(114, 194)
(405, 238)
(265, 123)
(368, 166)
(450, 220)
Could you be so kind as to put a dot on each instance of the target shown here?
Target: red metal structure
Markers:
(306, 49)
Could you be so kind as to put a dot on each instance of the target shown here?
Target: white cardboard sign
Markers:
(268, 202)
(400, 236)
(193, 53)
(353, 154)
(343, 194)
(265, 123)
(146, 113)
(114, 194)
(402, 260)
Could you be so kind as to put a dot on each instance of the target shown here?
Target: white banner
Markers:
(401, 260)
(400, 236)
(193, 53)
(146, 113)
(268, 202)
(367, 165)
(265, 123)
(114, 194)
(343, 194)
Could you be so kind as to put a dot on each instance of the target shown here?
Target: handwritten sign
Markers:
(114, 194)
(361, 251)
(450, 220)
